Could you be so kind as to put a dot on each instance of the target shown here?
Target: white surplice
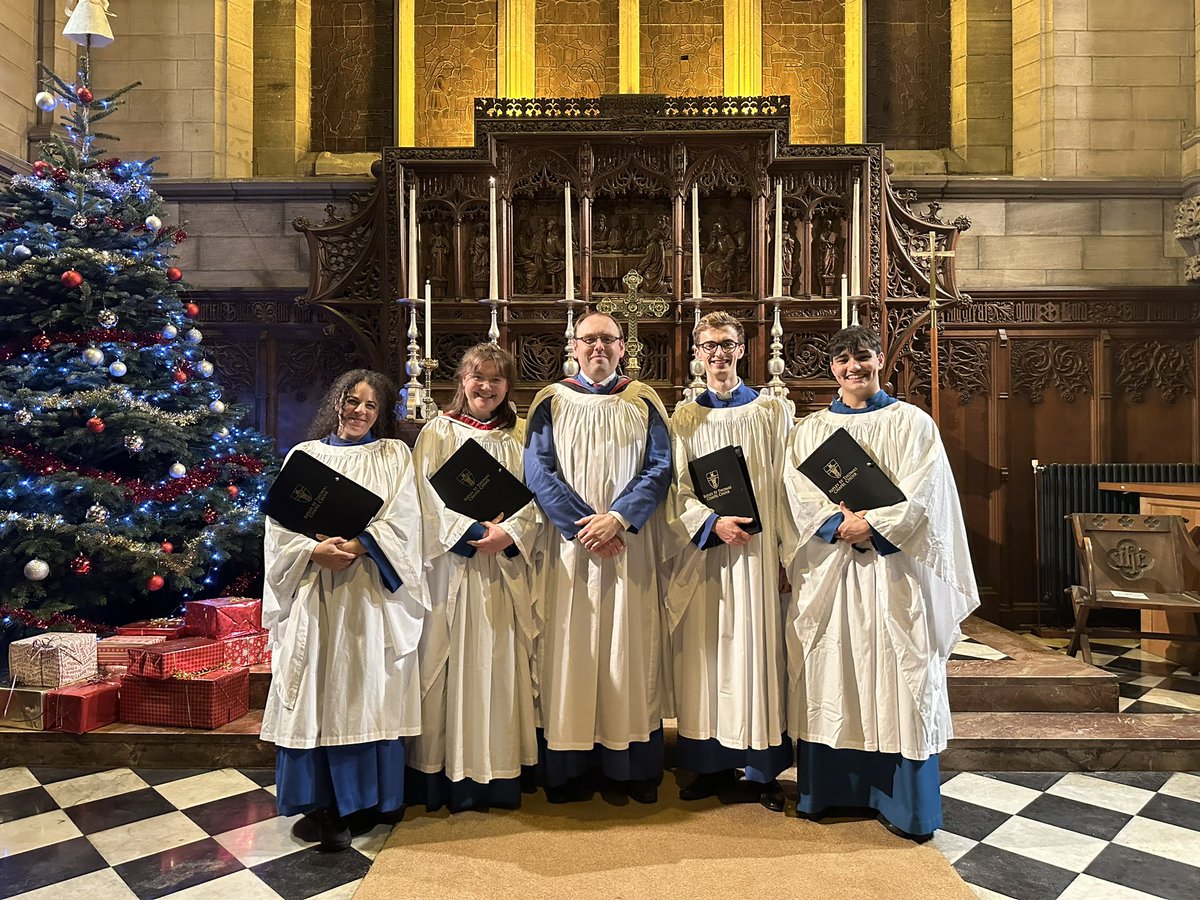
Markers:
(868, 635)
(343, 647)
(477, 717)
(724, 602)
(599, 651)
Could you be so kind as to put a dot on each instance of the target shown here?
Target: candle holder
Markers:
(697, 385)
(775, 364)
(494, 326)
(415, 393)
(570, 368)
(429, 407)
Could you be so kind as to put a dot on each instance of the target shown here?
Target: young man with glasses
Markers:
(724, 599)
(877, 601)
(598, 459)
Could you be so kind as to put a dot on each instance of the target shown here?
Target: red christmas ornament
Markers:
(155, 582)
(41, 342)
(192, 310)
(210, 515)
(114, 222)
(84, 94)
(95, 424)
(180, 236)
(232, 490)
(180, 376)
(41, 168)
(167, 547)
(71, 278)
(174, 274)
(59, 174)
(81, 565)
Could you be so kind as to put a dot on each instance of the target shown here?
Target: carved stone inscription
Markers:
(577, 50)
(804, 55)
(352, 62)
(455, 62)
(682, 48)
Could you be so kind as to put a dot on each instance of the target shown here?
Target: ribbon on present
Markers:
(26, 720)
(61, 720)
(41, 652)
(187, 696)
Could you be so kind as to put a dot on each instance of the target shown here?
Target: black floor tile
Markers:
(1185, 684)
(261, 777)
(180, 867)
(310, 872)
(1132, 691)
(969, 820)
(1175, 811)
(1145, 872)
(51, 774)
(1109, 649)
(1083, 818)
(1142, 706)
(44, 866)
(1149, 781)
(1144, 666)
(1038, 781)
(110, 812)
(162, 776)
(228, 813)
(1011, 874)
(22, 804)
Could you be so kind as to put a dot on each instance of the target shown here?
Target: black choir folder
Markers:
(846, 473)
(310, 498)
(722, 482)
(475, 484)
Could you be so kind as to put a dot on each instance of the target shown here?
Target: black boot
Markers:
(642, 791)
(335, 833)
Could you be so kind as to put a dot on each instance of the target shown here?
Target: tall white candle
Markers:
(845, 303)
(412, 242)
(428, 319)
(569, 266)
(855, 242)
(697, 292)
(493, 272)
(777, 287)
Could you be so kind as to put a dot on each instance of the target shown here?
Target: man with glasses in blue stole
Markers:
(724, 600)
(598, 459)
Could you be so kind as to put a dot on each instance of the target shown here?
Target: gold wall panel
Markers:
(577, 48)
(674, 29)
(455, 63)
(804, 56)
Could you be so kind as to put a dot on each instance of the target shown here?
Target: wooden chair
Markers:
(1134, 562)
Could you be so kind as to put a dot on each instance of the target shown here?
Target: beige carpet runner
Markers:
(631, 852)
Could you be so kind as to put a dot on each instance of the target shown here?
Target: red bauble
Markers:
(71, 278)
(95, 424)
(167, 547)
(84, 94)
(41, 342)
(210, 515)
(232, 490)
(41, 168)
(192, 310)
(174, 274)
(59, 174)
(180, 376)
(155, 582)
(81, 565)
(180, 236)
(114, 222)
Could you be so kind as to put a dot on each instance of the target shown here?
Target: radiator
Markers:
(1060, 489)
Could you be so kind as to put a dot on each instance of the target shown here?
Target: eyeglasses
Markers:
(710, 347)
(606, 339)
(489, 382)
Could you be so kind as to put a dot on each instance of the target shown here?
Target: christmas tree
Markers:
(125, 480)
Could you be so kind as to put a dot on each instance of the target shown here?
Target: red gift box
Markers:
(223, 617)
(208, 700)
(185, 656)
(247, 650)
(81, 707)
(113, 651)
(164, 628)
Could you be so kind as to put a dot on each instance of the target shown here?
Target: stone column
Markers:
(743, 48)
(514, 48)
(855, 131)
(629, 33)
(981, 73)
(282, 86)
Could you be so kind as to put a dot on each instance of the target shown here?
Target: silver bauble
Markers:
(204, 368)
(170, 332)
(21, 253)
(117, 369)
(217, 406)
(177, 470)
(96, 514)
(23, 417)
(193, 335)
(153, 223)
(45, 101)
(79, 220)
(37, 569)
(135, 443)
(93, 356)
(107, 318)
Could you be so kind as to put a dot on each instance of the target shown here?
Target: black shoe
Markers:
(900, 832)
(772, 796)
(576, 790)
(335, 833)
(392, 816)
(308, 827)
(642, 791)
(362, 821)
(709, 784)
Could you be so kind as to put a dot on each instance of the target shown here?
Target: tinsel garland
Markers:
(120, 393)
(201, 476)
(56, 622)
(42, 342)
(107, 258)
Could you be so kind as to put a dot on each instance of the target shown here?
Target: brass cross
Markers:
(933, 254)
(632, 308)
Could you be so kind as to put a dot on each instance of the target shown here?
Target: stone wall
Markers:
(18, 75)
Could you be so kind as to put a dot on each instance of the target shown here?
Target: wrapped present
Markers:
(78, 708)
(247, 650)
(223, 617)
(208, 700)
(185, 656)
(52, 659)
(112, 652)
(164, 628)
(22, 707)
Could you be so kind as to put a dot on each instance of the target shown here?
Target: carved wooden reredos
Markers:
(631, 162)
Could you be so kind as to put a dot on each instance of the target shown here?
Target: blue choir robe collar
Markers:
(739, 396)
(879, 401)
(334, 441)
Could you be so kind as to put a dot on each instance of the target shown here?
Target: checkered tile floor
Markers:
(144, 833)
(194, 834)
(969, 648)
(1148, 683)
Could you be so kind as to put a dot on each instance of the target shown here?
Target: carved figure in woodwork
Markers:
(721, 253)
(528, 258)
(827, 252)
(789, 255)
(600, 238)
(654, 265)
(554, 257)
(479, 255)
(439, 252)
(636, 238)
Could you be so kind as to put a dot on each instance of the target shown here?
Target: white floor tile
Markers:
(1046, 843)
(243, 885)
(1098, 792)
(262, 841)
(951, 845)
(1179, 699)
(1161, 839)
(103, 885)
(372, 842)
(32, 832)
(87, 788)
(17, 778)
(989, 792)
(188, 792)
(1147, 680)
(1181, 784)
(1123, 703)
(1087, 887)
(138, 839)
